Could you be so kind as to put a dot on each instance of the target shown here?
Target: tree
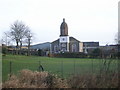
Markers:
(96, 52)
(6, 39)
(18, 32)
(40, 52)
(29, 36)
(117, 37)
(4, 49)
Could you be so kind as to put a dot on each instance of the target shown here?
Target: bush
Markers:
(94, 81)
(95, 53)
(4, 50)
(40, 52)
(70, 55)
(29, 79)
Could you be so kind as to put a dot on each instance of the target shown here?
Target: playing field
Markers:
(63, 67)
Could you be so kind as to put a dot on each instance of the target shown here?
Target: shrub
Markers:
(70, 55)
(94, 81)
(4, 50)
(95, 53)
(29, 79)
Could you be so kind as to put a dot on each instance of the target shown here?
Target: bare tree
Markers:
(6, 39)
(117, 38)
(18, 31)
(28, 41)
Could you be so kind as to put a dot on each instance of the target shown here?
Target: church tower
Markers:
(64, 38)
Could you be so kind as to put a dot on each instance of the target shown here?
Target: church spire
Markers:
(63, 19)
(63, 28)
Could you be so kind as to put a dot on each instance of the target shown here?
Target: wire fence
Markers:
(74, 72)
(62, 68)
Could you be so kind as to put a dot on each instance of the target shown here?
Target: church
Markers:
(66, 43)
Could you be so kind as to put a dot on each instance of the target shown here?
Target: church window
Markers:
(56, 48)
(63, 45)
(74, 48)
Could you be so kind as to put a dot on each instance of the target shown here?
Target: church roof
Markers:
(56, 41)
(74, 39)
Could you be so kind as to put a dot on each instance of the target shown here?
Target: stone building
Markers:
(88, 47)
(66, 43)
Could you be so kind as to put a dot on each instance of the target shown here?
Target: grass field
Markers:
(63, 67)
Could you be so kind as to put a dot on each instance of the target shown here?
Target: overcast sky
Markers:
(88, 20)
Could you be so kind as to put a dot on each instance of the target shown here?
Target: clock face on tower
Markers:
(64, 42)
(64, 39)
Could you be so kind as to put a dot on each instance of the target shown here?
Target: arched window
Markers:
(55, 48)
(74, 48)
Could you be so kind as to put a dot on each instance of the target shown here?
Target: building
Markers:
(66, 43)
(88, 47)
(110, 50)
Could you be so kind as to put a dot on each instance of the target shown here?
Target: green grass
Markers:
(59, 66)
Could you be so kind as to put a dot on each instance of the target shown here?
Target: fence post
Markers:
(62, 68)
(92, 66)
(74, 67)
(40, 67)
(10, 68)
(39, 63)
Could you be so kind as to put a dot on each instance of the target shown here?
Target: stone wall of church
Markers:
(73, 45)
(81, 47)
(55, 46)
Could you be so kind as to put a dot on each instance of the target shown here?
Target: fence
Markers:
(63, 68)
